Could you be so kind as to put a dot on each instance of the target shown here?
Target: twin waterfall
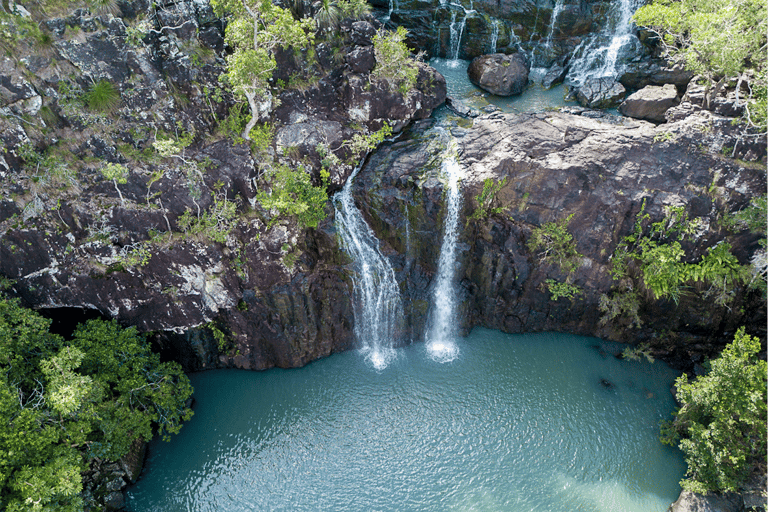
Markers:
(378, 308)
(441, 331)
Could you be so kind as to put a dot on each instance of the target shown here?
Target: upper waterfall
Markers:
(598, 55)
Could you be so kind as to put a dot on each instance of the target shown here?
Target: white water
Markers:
(494, 35)
(378, 306)
(597, 56)
(457, 31)
(555, 13)
(441, 332)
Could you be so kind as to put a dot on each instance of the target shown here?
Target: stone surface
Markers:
(650, 103)
(499, 74)
(692, 502)
(600, 93)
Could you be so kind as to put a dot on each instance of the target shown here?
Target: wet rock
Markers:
(499, 74)
(114, 501)
(600, 93)
(460, 108)
(554, 75)
(650, 103)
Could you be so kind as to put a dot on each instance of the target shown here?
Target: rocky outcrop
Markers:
(650, 103)
(261, 292)
(499, 74)
(600, 93)
(557, 165)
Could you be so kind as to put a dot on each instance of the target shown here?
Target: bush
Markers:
(555, 244)
(294, 195)
(721, 424)
(394, 61)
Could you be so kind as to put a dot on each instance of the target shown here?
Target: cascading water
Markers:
(457, 31)
(441, 333)
(494, 35)
(555, 13)
(598, 55)
(378, 305)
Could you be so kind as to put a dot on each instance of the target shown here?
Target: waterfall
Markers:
(494, 35)
(555, 13)
(597, 56)
(441, 331)
(457, 30)
(378, 307)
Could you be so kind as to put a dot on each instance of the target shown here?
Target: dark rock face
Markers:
(692, 502)
(556, 165)
(499, 74)
(279, 293)
(650, 103)
(600, 93)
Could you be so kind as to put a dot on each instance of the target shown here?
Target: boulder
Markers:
(361, 59)
(692, 502)
(654, 72)
(601, 93)
(460, 108)
(650, 103)
(499, 74)
(554, 75)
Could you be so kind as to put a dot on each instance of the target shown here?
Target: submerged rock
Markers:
(499, 74)
(650, 103)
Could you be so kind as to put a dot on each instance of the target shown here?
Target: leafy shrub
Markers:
(485, 200)
(293, 194)
(559, 289)
(555, 244)
(721, 424)
(103, 96)
(394, 61)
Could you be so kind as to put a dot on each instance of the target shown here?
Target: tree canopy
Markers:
(63, 402)
(721, 424)
(716, 39)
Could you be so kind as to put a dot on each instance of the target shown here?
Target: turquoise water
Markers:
(515, 423)
(534, 99)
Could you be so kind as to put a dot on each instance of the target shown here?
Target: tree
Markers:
(118, 173)
(718, 40)
(65, 402)
(721, 424)
(255, 29)
(394, 62)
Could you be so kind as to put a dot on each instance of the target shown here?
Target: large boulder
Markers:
(499, 74)
(650, 103)
(601, 93)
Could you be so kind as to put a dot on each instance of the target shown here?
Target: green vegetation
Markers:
(294, 195)
(721, 424)
(719, 41)
(103, 96)
(654, 251)
(558, 289)
(64, 402)
(255, 29)
(215, 223)
(555, 244)
(485, 200)
(394, 62)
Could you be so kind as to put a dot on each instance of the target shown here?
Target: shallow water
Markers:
(534, 99)
(515, 423)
